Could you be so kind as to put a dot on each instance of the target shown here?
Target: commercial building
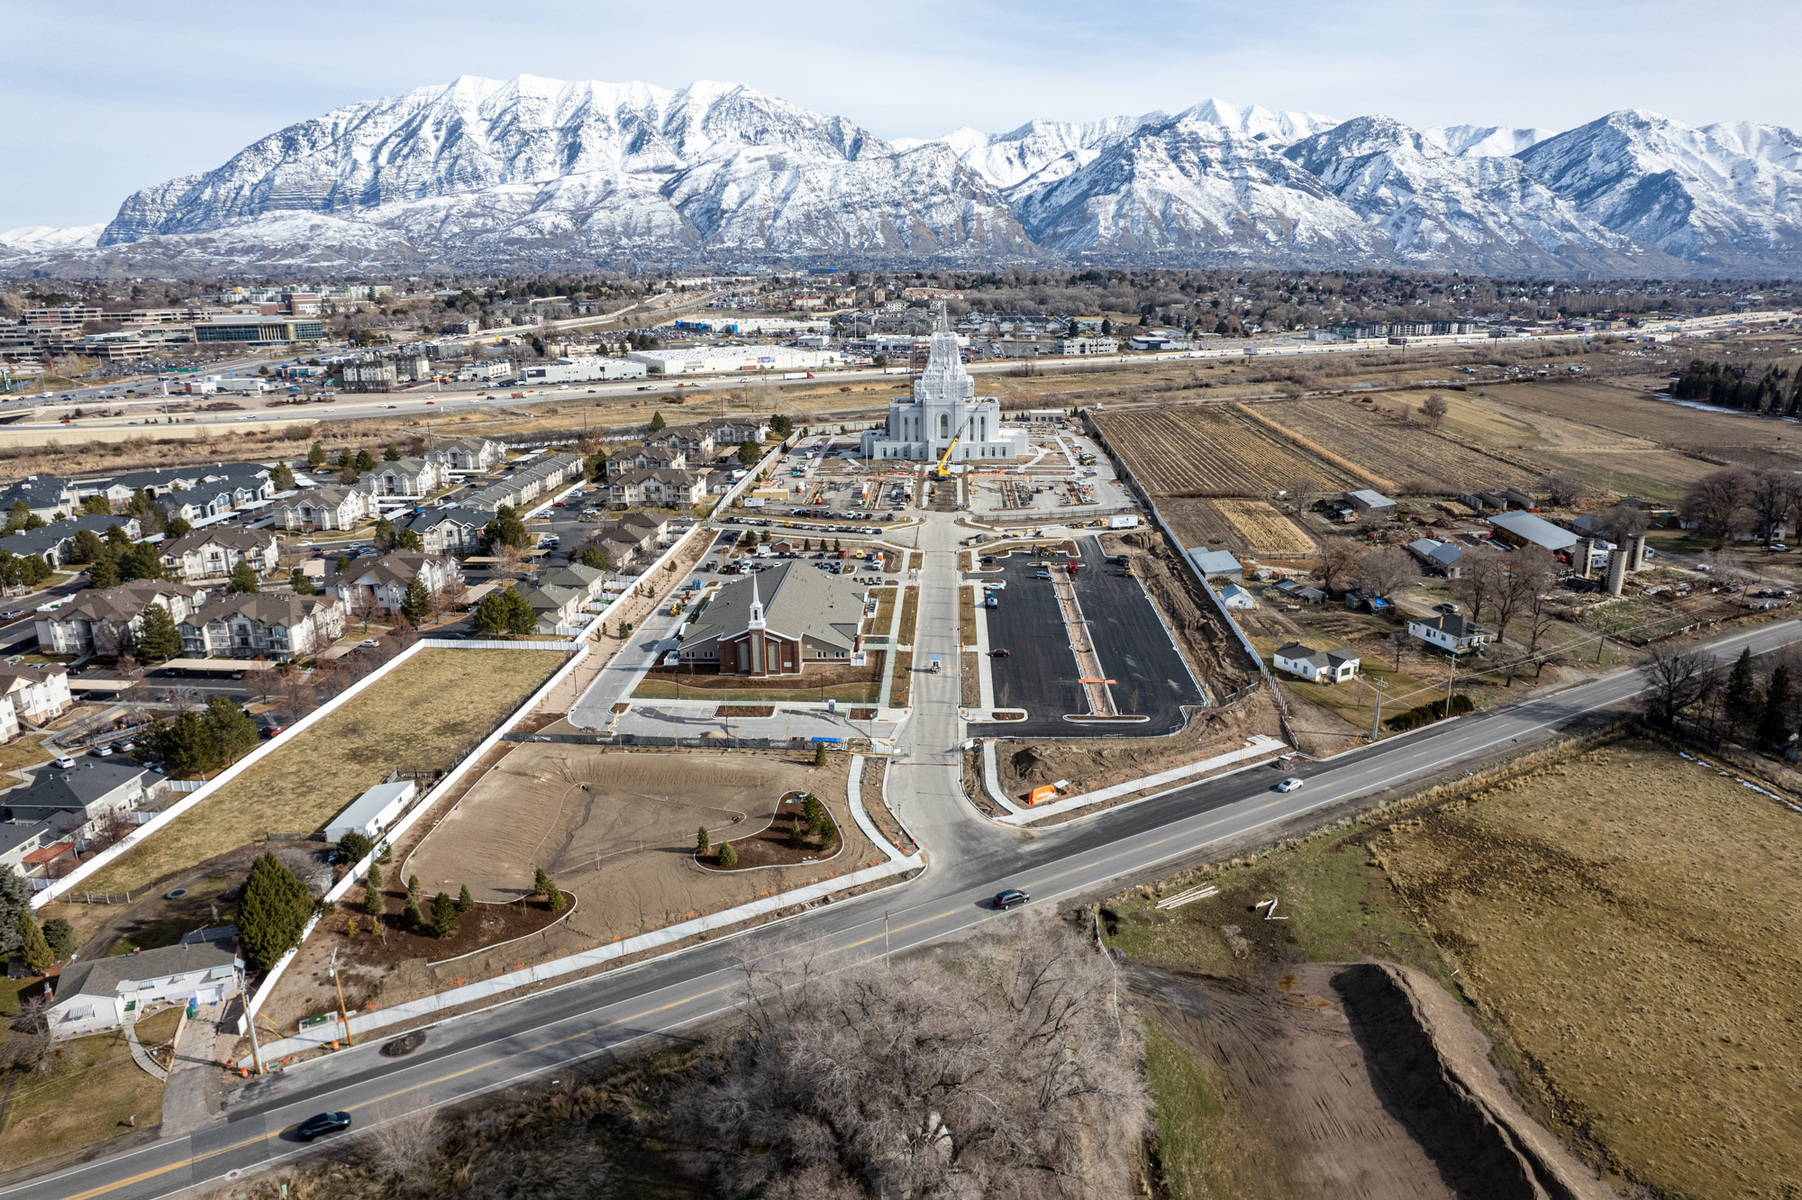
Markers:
(942, 410)
(259, 330)
(584, 370)
(719, 360)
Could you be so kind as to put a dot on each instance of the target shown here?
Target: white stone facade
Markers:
(945, 407)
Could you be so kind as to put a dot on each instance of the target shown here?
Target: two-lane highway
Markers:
(634, 1007)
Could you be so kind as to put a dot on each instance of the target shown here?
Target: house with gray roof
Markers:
(776, 622)
(105, 993)
(106, 621)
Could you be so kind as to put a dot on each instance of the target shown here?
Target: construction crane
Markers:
(942, 471)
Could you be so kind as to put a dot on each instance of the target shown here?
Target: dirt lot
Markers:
(1630, 919)
(1418, 460)
(424, 716)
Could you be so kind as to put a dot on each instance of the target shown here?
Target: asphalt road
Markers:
(1150, 677)
(642, 1006)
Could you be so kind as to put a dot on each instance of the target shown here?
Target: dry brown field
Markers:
(1262, 529)
(1630, 919)
(1210, 450)
(1633, 412)
(1418, 460)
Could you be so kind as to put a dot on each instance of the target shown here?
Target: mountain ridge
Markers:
(534, 173)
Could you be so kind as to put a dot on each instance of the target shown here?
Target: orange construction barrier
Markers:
(1041, 793)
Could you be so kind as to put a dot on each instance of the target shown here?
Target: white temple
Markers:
(944, 406)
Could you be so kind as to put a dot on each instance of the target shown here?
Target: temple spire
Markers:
(756, 621)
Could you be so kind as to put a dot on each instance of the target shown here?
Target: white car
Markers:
(1289, 785)
(65, 762)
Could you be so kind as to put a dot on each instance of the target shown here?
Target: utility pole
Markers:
(256, 1049)
(342, 1014)
(1377, 686)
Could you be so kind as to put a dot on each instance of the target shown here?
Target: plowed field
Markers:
(1211, 450)
(1419, 461)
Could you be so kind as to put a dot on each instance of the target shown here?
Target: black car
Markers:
(325, 1122)
(1010, 898)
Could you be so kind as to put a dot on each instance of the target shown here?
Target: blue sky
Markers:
(102, 99)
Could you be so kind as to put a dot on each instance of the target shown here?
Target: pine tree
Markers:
(658, 424)
(104, 573)
(32, 946)
(728, 856)
(364, 461)
(391, 453)
(1742, 704)
(15, 895)
(556, 899)
(273, 912)
(316, 455)
(703, 842)
(372, 894)
(417, 604)
(819, 755)
(465, 901)
(61, 937)
(541, 883)
(444, 915)
(243, 581)
(302, 583)
(158, 638)
(1773, 720)
(410, 917)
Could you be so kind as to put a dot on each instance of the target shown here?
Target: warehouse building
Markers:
(722, 360)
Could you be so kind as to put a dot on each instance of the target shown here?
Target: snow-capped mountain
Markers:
(1441, 207)
(1722, 197)
(535, 173)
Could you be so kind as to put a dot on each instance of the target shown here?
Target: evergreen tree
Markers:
(105, 573)
(410, 917)
(234, 731)
(1741, 704)
(142, 561)
(541, 883)
(302, 583)
(728, 856)
(364, 461)
(391, 453)
(658, 424)
(703, 842)
(406, 539)
(372, 893)
(444, 915)
(316, 455)
(417, 604)
(174, 527)
(1773, 719)
(505, 529)
(61, 937)
(749, 452)
(491, 615)
(819, 755)
(158, 639)
(594, 556)
(465, 901)
(282, 477)
(384, 534)
(15, 893)
(555, 898)
(87, 547)
(243, 581)
(32, 946)
(273, 912)
(520, 615)
(96, 506)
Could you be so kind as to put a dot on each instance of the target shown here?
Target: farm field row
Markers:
(1417, 460)
(1212, 450)
(1238, 526)
(1737, 437)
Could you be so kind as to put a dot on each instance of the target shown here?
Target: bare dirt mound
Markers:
(1351, 1081)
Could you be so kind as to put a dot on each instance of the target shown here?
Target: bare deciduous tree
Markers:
(1563, 488)
(1479, 580)
(1677, 678)
(1775, 497)
(1385, 570)
(1525, 575)
(1432, 409)
(1339, 558)
(1006, 1072)
(402, 1142)
(1720, 505)
(1624, 521)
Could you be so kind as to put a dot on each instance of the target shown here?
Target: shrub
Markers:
(60, 936)
(355, 847)
(728, 856)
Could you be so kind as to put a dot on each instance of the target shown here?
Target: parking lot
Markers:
(1040, 673)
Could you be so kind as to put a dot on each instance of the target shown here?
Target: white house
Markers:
(105, 993)
(1449, 632)
(373, 811)
(1234, 596)
(1316, 666)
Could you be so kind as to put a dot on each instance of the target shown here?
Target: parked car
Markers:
(102, 752)
(1010, 898)
(325, 1122)
(1042, 574)
(1001, 654)
(64, 761)
(1289, 785)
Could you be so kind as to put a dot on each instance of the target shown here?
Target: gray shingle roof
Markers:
(102, 976)
(797, 601)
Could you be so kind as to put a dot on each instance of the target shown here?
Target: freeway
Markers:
(969, 858)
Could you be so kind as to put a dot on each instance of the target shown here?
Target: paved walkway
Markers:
(140, 1055)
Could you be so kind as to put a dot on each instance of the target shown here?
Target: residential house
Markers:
(54, 542)
(45, 822)
(575, 577)
(46, 496)
(104, 993)
(407, 479)
(692, 442)
(1317, 666)
(655, 489)
(1294, 589)
(526, 483)
(214, 553)
(641, 458)
(619, 547)
(106, 621)
(557, 607)
(274, 625)
(38, 692)
(383, 581)
(1450, 632)
(650, 528)
(1439, 558)
(1234, 596)
(469, 456)
(449, 530)
(334, 506)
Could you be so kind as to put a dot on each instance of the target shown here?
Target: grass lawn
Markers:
(904, 680)
(426, 715)
(88, 1098)
(910, 611)
(22, 752)
(885, 610)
